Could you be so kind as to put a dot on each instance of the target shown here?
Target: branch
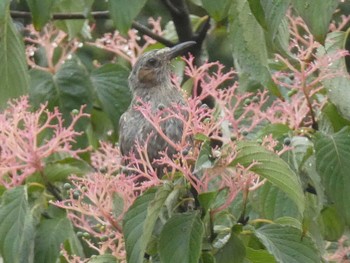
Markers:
(181, 18)
(96, 15)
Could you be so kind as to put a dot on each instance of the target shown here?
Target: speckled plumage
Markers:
(150, 81)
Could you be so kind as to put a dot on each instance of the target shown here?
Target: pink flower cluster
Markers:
(50, 40)
(28, 138)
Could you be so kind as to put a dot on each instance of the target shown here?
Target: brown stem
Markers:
(96, 15)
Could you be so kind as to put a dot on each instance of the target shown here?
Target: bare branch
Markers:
(96, 15)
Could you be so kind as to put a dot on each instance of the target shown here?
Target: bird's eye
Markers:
(153, 62)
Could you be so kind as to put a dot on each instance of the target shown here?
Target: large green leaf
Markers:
(331, 120)
(232, 252)
(41, 12)
(140, 219)
(62, 169)
(68, 89)
(51, 233)
(332, 223)
(111, 87)
(106, 258)
(218, 10)
(317, 14)
(288, 244)
(13, 66)
(205, 159)
(332, 163)
(273, 168)
(258, 12)
(259, 256)
(16, 226)
(181, 239)
(273, 203)
(275, 11)
(277, 31)
(123, 12)
(248, 45)
(338, 87)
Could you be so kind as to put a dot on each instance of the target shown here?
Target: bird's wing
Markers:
(122, 122)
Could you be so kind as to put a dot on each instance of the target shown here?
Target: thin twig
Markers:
(96, 15)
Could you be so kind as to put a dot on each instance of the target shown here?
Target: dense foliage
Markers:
(267, 89)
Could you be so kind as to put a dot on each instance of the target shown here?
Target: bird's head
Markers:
(152, 68)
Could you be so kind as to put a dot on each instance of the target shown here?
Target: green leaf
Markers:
(16, 226)
(41, 12)
(13, 66)
(123, 12)
(277, 130)
(60, 170)
(273, 168)
(68, 89)
(289, 221)
(51, 233)
(106, 258)
(207, 257)
(331, 117)
(288, 244)
(302, 150)
(274, 203)
(207, 199)
(275, 11)
(332, 223)
(204, 160)
(277, 33)
(232, 252)
(72, 27)
(332, 163)
(218, 10)
(338, 87)
(248, 45)
(181, 239)
(317, 15)
(258, 12)
(140, 219)
(111, 87)
(259, 256)
(73, 87)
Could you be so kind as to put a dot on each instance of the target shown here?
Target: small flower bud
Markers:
(204, 106)
(244, 133)
(86, 235)
(206, 120)
(67, 186)
(185, 152)
(255, 99)
(76, 195)
(161, 106)
(292, 92)
(75, 112)
(104, 238)
(247, 102)
(287, 141)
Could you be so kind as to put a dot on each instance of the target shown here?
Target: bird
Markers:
(150, 81)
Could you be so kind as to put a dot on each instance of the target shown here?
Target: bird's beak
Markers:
(180, 49)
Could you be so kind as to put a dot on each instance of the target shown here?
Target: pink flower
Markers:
(22, 152)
